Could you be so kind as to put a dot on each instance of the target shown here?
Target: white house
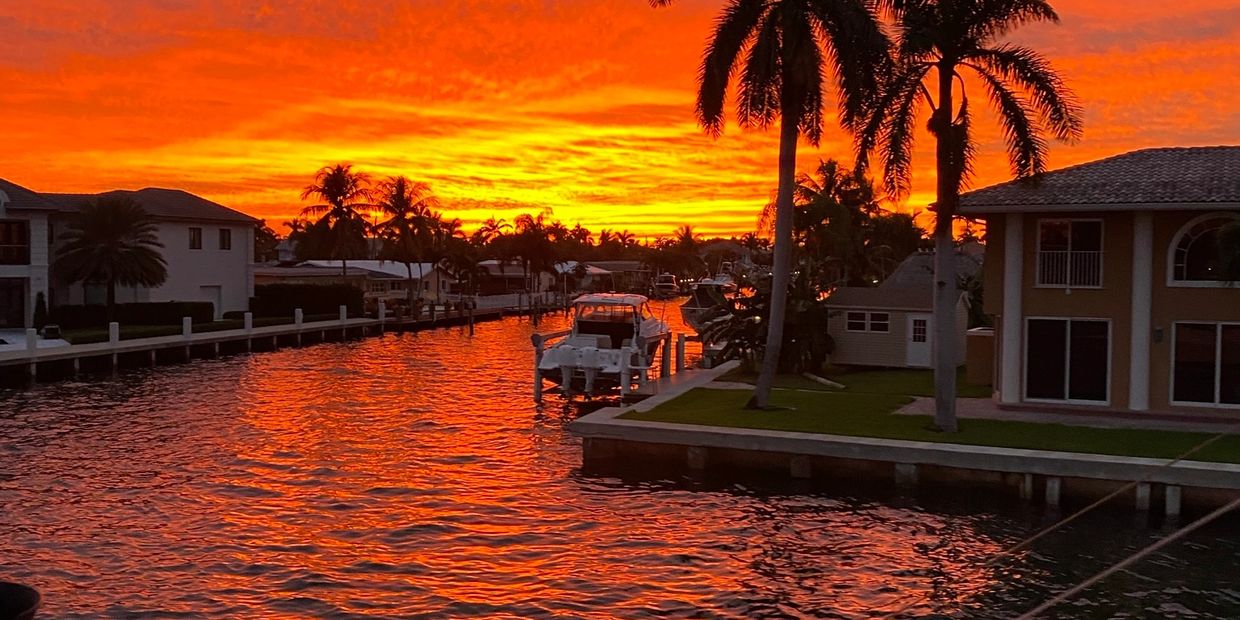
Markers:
(208, 247)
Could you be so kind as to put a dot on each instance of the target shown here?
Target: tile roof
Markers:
(20, 198)
(1157, 178)
(164, 204)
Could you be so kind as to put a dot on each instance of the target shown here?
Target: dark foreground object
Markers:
(18, 602)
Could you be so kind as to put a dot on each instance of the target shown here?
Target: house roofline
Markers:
(988, 209)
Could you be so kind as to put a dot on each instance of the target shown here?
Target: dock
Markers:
(610, 442)
(34, 363)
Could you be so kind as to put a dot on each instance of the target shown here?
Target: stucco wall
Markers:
(1171, 304)
(189, 271)
(36, 273)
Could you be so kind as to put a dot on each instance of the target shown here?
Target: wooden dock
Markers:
(29, 365)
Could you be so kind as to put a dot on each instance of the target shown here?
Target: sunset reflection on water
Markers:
(412, 474)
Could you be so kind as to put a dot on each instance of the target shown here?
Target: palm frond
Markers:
(733, 31)
(858, 52)
(987, 19)
(1050, 96)
(761, 83)
(1025, 145)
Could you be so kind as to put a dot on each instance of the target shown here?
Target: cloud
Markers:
(583, 106)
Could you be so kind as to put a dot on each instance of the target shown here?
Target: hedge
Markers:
(151, 313)
(281, 299)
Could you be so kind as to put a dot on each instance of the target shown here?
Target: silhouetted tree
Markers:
(346, 196)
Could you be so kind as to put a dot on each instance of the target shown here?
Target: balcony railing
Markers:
(1071, 269)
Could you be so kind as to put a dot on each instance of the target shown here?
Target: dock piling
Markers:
(680, 353)
(1143, 496)
(665, 369)
(382, 316)
(906, 475)
(537, 339)
(1053, 486)
(625, 376)
(1172, 495)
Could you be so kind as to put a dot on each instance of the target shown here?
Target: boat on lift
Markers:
(613, 335)
(666, 286)
(708, 303)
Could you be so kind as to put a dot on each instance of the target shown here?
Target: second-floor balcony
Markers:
(1070, 268)
(14, 242)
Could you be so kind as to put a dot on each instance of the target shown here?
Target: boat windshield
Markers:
(708, 296)
(609, 313)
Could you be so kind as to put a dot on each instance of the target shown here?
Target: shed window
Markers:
(880, 322)
(856, 321)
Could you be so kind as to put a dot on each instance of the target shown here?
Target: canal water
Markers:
(412, 476)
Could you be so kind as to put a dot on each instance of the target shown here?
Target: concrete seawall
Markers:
(1049, 476)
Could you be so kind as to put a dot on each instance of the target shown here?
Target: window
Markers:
(919, 330)
(880, 322)
(225, 239)
(1067, 360)
(868, 322)
(195, 238)
(1070, 253)
(14, 242)
(1197, 259)
(1206, 364)
(856, 321)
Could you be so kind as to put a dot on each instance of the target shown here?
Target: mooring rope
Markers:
(1023, 544)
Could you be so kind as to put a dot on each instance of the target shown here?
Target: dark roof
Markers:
(164, 204)
(21, 198)
(909, 287)
(894, 298)
(1162, 178)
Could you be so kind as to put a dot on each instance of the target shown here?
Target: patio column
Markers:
(1013, 270)
(1142, 283)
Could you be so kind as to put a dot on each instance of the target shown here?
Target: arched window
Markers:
(1195, 256)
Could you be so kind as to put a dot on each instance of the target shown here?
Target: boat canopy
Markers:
(611, 299)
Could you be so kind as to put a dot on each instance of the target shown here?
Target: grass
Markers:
(861, 414)
(908, 382)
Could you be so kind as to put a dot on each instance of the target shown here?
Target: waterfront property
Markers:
(1105, 283)
(890, 325)
(379, 280)
(208, 248)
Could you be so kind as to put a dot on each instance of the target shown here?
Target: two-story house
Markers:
(1104, 281)
(209, 250)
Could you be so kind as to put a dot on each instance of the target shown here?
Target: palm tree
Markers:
(406, 234)
(346, 195)
(490, 230)
(946, 37)
(113, 240)
(625, 238)
(780, 51)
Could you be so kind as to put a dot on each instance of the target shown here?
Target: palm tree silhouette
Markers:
(346, 195)
(947, 36)
(114, 240)
(780, 52)
(406, 232)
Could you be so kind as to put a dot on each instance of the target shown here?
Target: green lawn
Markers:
(887, 381)
(860, 414)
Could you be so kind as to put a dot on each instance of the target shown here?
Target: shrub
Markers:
(281, 299)
(151, 313)
(40, 310)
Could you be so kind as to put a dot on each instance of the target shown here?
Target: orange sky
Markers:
(583, 106)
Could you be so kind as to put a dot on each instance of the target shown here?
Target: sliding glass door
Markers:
(1206, 367)
(1068, 360)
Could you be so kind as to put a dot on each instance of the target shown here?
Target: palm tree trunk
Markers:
(782, 267)
(409, 268)
(948, 154)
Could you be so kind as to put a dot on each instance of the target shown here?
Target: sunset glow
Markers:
(505, 106)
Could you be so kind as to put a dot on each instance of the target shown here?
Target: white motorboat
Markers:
(613, 336)
(666, 286)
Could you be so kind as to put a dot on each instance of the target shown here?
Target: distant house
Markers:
(208, 247)
(386, 281)
(1104, 282)
(891, 325)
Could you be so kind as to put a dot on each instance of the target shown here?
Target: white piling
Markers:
(1143, 496)
(625, 375)
(537, 340)
(1172, 499)
(32, 346)
(680, 353)
(299, 317)
(665, 369)
(1026, 487)
(187, 327)
(114, 332)
(695, 458)
(906, 475)
(382, 315)
(1053, 487)
(248, 322)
